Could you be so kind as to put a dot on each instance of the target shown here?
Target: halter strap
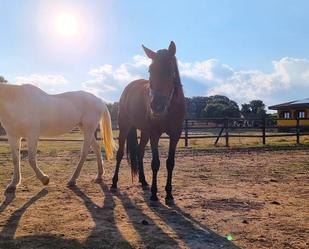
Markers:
(168, 99)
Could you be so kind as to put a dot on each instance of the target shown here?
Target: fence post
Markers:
(186, 132)
(297, 130)
(226, 126)
(264, 130)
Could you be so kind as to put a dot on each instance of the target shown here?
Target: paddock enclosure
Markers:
(256, 198)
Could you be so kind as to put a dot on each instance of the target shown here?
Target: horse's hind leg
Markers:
(88, 136)
(32, 151)
(15, 149)
(141, 152)
(123, 133)
(97, 150)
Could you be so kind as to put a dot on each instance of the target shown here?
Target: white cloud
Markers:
(288, 76)
(50, 83)
(208, 70)
(287, 80)
(107, 79)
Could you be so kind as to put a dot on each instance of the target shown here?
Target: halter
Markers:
(167, 99)
(163, 98)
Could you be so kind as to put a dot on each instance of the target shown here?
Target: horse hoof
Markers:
(154, 200)
(45, 180)
(169, 202)
(71, 184)
(145, 187)
(113, 189)
(10, 189)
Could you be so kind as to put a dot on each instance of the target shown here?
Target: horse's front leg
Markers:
(155, 165)
(15, 149)
(170, 162)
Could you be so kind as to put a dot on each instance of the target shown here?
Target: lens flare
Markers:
(229, 237)
(66, 24)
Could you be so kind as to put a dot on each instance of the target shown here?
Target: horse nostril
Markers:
(161, 108)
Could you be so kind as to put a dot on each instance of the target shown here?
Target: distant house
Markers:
(288, 112)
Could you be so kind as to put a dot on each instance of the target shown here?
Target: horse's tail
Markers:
(107, 134)
(132, 151)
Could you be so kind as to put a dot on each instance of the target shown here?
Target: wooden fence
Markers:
(226, 128)
(264, 128)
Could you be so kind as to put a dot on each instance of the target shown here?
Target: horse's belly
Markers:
(48, 132)
(59, 123)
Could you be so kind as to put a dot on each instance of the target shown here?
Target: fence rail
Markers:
(224, 127)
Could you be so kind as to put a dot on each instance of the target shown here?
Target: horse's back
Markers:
(133, 104)
(84, 101)
(27, 109)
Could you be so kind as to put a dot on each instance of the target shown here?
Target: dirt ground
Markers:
(259, 199)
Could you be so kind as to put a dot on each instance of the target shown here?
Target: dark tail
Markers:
(132, 151)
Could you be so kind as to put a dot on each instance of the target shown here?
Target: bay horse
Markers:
(28, 112)
(153, 106)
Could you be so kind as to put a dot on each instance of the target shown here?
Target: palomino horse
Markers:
(153, 106)
(28, 112)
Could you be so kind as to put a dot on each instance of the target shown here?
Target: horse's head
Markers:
(163, 75)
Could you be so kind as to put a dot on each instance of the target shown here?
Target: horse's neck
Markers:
(179, 91)
(2, 92)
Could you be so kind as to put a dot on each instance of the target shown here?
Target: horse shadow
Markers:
(192, 233)
(7, 240)
(97, 238)
(106, 234)
(145, 226)
(9, 197)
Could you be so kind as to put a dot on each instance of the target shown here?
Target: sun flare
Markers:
(66, 24)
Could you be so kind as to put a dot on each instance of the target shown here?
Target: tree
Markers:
(219, 106)
(255, 109)
(3, 80)
(113, 110)
(258, 108)
(245, 110)
(199, 104)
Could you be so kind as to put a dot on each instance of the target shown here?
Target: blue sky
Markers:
(242, 49)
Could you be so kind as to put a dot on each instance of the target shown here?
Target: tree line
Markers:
(217, 106)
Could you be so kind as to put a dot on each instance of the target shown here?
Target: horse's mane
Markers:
(177, 80)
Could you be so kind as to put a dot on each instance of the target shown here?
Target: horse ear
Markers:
(151, 54)
(172, 48)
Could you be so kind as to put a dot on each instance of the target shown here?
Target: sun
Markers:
(66, 24)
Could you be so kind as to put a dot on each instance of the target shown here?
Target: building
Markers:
(290, 111)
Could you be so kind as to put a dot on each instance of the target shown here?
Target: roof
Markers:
(297, 104)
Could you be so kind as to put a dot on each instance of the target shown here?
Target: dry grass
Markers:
(259, 197)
